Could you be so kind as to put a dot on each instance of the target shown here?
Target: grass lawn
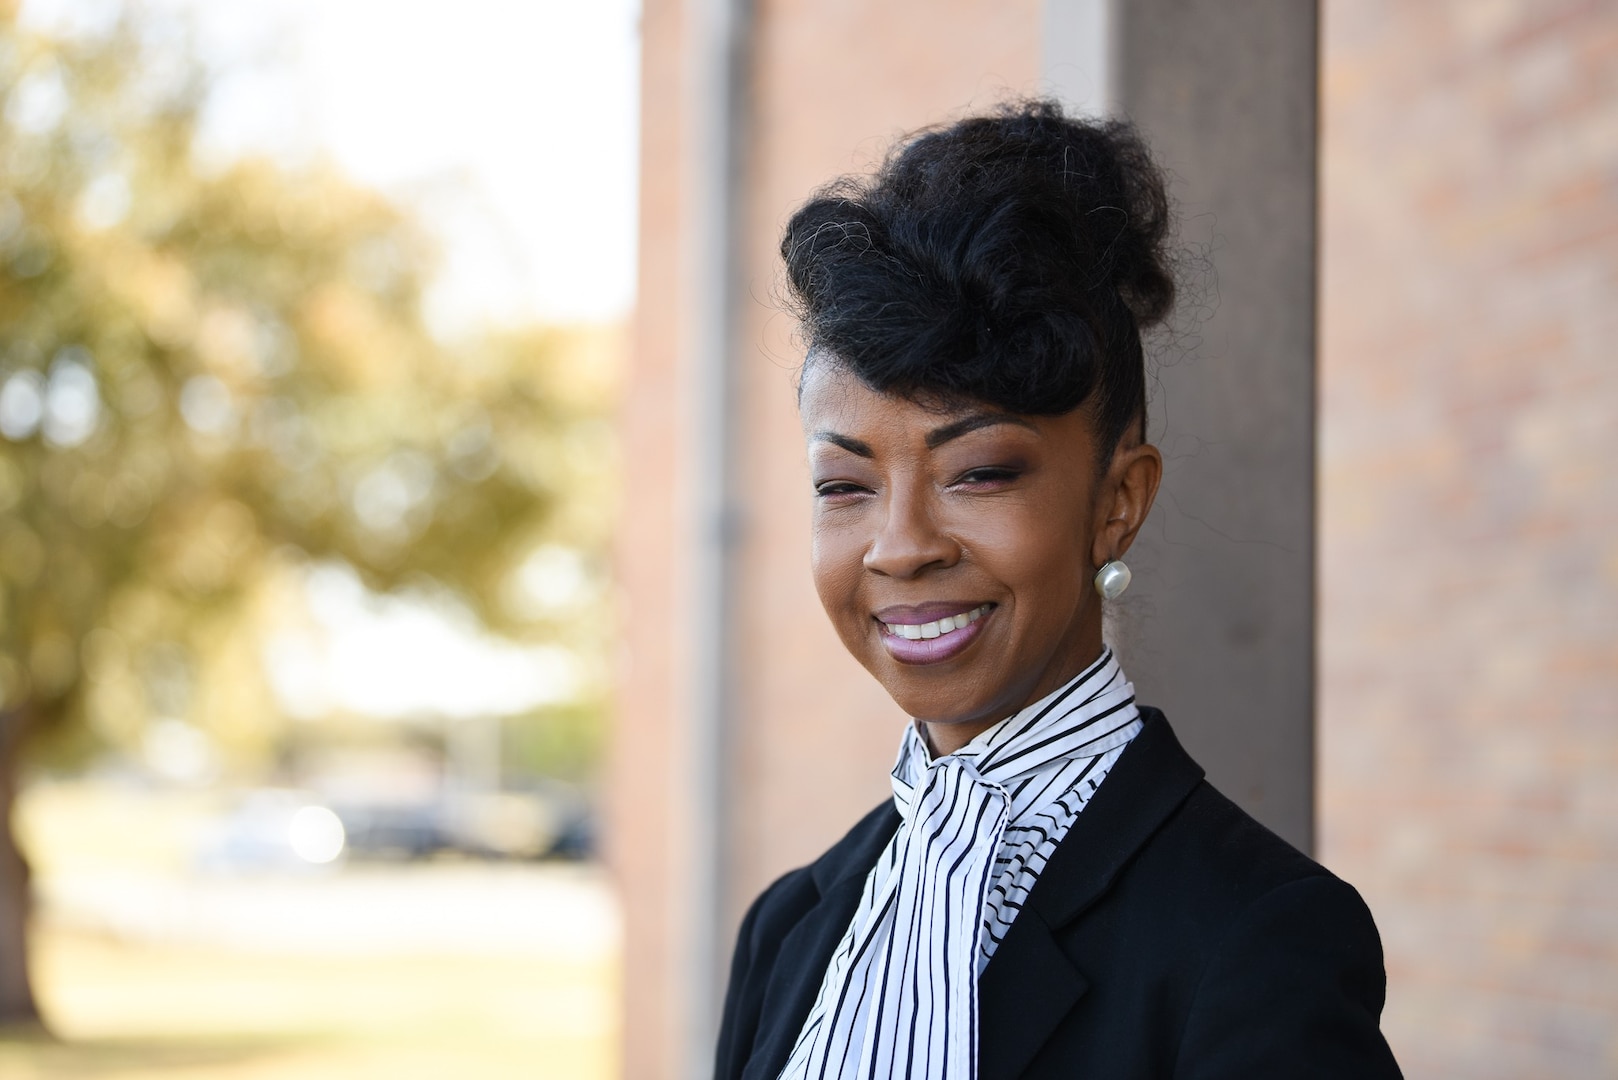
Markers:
(139, 1010)
(148, 967)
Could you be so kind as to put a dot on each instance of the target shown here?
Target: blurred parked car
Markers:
(288, 829)
(275, 829)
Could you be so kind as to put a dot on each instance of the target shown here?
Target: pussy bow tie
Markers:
(900, 997)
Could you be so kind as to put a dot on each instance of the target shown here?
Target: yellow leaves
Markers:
(22, 553)
(577, 369)
(358, 343)
(157, 287)
(265, 385)
(226, 339)
(214, 549)
(13, 681)
(586, 372)
(52, 663)
(206, 543)
(12, 484)
(232, 701)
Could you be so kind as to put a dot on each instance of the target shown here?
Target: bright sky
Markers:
(398, 657)
(510, 124)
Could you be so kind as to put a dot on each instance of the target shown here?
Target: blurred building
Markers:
(1460, 565)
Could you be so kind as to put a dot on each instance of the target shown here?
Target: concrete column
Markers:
(1076, 47)
(719, 43)
(1219, 630)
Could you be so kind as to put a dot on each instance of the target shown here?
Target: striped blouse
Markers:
(899, 997)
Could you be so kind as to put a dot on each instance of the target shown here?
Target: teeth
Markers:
(947, 625)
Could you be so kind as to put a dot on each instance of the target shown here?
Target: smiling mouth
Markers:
(938, 628)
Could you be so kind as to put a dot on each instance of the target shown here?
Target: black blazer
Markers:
(1170, 935)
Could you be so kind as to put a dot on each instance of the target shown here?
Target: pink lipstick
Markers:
(931, 633)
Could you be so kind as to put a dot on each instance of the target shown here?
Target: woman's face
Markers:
(954, 548)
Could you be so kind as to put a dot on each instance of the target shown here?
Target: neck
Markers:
(947, 736)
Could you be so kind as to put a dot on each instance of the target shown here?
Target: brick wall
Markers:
(833, 84)
(1468, 742)
(830, 84)
(647, 827)
(1468, 750)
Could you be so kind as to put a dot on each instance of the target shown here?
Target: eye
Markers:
(839, 490)
(988, 477)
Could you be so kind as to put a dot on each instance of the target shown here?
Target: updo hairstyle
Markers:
(1010, 259)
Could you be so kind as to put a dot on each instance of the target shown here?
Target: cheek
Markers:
(836, 560)
(1037, 554)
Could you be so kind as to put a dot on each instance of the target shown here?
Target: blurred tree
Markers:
(207, 376)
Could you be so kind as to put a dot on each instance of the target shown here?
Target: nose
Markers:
(908, 542)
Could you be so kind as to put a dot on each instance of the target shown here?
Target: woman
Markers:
(1054, 890)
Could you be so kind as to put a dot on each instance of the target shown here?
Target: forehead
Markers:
(831, 398)
(835, 407)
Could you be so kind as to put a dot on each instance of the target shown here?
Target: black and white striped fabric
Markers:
(900, 995)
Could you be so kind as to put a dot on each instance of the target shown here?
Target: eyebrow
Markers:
(935, 438)
(954, 430)
(852, 445)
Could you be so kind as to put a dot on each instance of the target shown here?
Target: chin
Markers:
(938, 697)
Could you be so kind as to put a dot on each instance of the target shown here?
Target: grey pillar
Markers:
(1219, 629)
(1076, 54)
(719, 46)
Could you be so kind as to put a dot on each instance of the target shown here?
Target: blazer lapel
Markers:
(1030, 984)
(1026, 990)
(807, 949)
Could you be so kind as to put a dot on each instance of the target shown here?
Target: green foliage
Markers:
(563, 742)
(207, 378)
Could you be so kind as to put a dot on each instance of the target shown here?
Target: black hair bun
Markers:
(1012, 259)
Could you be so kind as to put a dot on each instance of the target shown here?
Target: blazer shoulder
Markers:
(1231, 870)
(1216, 835)
(1306, 958)
(1221, 947)
(1208, 864)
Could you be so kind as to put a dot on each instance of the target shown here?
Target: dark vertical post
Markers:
(1219, 627)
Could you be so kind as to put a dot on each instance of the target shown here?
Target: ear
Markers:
(1125, 498)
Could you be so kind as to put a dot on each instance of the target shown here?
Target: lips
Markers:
(947, 624)
(931, 633)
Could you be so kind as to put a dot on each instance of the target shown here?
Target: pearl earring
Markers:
(1112, 579)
